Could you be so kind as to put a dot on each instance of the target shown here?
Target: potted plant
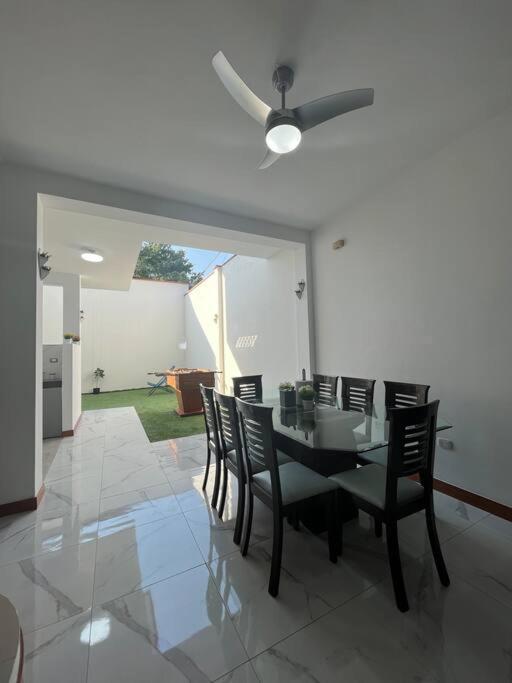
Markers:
(76, 339)
(99, 374)
(307, 394)
(287, 395)
(68, 337)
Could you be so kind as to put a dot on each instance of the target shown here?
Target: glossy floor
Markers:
(125, 573)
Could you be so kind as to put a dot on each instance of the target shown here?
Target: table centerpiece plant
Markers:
(287, 395)
(307, 395)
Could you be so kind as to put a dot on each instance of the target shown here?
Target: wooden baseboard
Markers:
(486, 504)
(25, 505)
(71, 432)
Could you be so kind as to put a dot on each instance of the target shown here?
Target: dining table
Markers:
(329, 439)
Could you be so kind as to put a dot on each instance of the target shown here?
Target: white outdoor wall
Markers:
(131, 333)
(421, 292)
(52, 314)
(264, 328)
(202, 324)
(71, 386)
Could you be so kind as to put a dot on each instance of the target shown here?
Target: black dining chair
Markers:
(213, 444)
(389, 494)
(232, 460)
(404, 394)
(280, 487)
(326, 389)
(397, 395)
(248, 388)
(357, 394)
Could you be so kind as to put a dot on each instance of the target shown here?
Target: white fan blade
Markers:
(269, 158)
(239, 91)
(316, 112)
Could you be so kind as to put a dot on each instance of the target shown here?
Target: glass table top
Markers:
(330, 428)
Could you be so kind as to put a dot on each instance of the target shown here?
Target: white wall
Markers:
(264, 327)
(129, 334)
(421, 292)
(202, 324)
(71, 386)
(71, 303)
(53, 302)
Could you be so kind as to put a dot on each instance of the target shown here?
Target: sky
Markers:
(204, 260)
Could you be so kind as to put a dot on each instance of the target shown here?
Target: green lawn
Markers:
(156, 412)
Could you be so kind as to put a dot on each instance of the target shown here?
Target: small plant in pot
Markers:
(76, 339)
(307, 395)
(287, 395)
(68, 337)
(99, 374)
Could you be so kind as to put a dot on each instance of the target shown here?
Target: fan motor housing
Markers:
(281, 117)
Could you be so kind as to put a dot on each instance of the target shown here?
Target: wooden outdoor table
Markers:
(185, 382)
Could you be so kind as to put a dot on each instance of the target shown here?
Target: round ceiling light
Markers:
(91, 256)
(283, 138)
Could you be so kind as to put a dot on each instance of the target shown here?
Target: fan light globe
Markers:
(283, 138)
(91, 256)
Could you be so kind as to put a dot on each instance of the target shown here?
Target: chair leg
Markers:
(216, 483)
(378, 527)
(332, 525)
(207, 470)
(225, 478)
(246, 534)
(435, 545)
(396, 566)
(240, 508)
(277, 551)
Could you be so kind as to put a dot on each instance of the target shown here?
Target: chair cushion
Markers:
(297, 482)
(378, 456)
(369, 483)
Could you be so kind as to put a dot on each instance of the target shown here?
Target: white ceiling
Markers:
(124, 92)
(70, 227)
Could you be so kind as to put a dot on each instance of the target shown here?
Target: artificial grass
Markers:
(156, 412)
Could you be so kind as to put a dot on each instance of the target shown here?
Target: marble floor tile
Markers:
(188, 488)
(483, 557)
(128, 457)
(242, 674)
(48, 588)
(176, 630)
(58, 652)
(87, 431)
(63, 469)
(50, 450)
(181, 461)
(70, 492)
(215, 537)
(125, 437)
(184, 443)
(71, 453)
(261, 620)
(136, 508)
(449, 635)
(33, 533)
(142, 555)
(133, 478)
(503, 526)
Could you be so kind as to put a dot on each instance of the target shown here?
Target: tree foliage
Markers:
(164, 262)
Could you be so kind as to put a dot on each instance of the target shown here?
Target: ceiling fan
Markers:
(284, 127)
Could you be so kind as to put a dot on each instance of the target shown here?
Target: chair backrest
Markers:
(404, 395)
(210, 416)
(326, 388)
(357, 394)
(248, 388)
(411, 450)
(258, 444)
(228, 422)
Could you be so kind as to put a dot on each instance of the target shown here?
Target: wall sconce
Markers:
(301, 286)
(42, 258)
